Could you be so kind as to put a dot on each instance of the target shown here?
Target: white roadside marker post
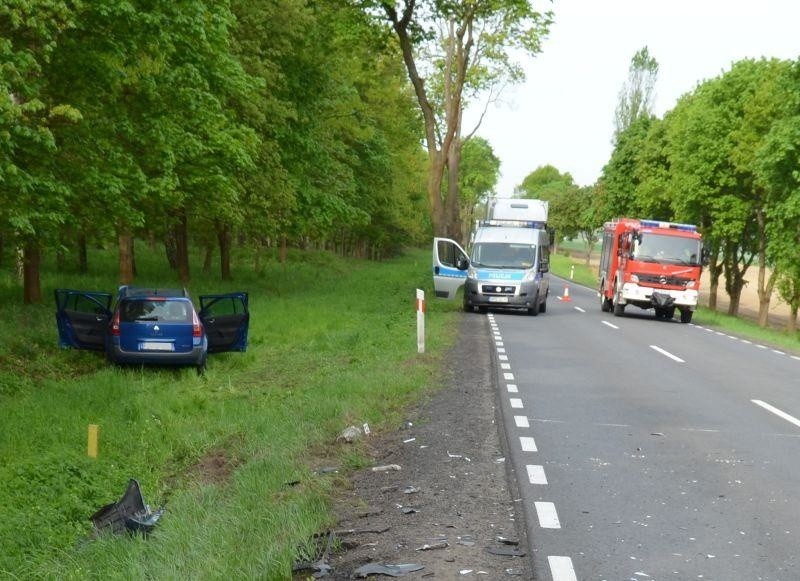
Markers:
(420, 321)
(572, 272)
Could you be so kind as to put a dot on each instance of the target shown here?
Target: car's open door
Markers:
(82, 318)
(448, 256)
(226, 319)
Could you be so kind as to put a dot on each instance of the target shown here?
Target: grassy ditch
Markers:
(587, 276)
(332, 343)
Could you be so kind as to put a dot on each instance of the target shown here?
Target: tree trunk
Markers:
(2, 248)
(171, 249)
(283, 251)
(714, 271)
(764, 286)
(83, 257)
(224, 238)
(125, 242)
(791, 325)
(453, 201)
(208, 258)
(31, 262)
(182, 247)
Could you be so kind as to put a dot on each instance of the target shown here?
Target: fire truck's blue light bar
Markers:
(514, 223)
(673, 225)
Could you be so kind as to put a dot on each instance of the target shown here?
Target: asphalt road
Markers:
(648, 449)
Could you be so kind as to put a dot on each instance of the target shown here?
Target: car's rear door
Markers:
(226, 319)
(447, 277)
(82, 318)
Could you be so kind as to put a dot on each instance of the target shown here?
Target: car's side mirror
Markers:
(462, 263)
(544, 265)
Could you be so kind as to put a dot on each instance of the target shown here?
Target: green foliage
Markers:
(329, 346)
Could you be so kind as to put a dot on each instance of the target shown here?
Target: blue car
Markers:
(152, 326)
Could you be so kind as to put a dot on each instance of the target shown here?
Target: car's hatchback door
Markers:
(82, 318)
(226, 319)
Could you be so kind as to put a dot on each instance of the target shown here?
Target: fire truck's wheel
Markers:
(534, 310)
(619, 309)
(686, 316)
(605, 304)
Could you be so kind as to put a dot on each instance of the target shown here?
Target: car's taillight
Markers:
(197, 328)
(115, 324)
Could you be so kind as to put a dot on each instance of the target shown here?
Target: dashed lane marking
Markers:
(612, 325)
(521, 421)
(580, 310)
(512, 388)
(561, 569)
(516, 403)
(508, 376)
(505, 366)
(528, 444)
(667, 353)
(536, 474)
(777, 412)
(548, 517)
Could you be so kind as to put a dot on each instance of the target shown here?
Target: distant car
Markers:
(152, 326)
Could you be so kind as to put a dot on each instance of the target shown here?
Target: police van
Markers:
(509, 260)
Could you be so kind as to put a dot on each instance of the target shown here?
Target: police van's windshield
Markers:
(503, 255)
(669, 249)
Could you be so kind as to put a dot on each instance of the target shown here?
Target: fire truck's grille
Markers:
(497, 289)
(662, 280)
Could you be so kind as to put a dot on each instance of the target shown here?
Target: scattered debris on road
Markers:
(389, 570)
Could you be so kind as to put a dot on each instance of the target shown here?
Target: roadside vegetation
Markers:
(332, 344)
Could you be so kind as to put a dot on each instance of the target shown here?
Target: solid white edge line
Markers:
(516, 403)
(521, 421)
(795, 357)
(778, 352)
(536, 474)
(777, 412)
(548, 517)
(512, 388)
(528, 444)
(612, 325)
(561, 569)
(667, 353)
(579, 309)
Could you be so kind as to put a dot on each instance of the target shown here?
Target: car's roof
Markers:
(141, 292)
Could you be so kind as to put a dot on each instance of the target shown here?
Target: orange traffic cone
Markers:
(565, 298)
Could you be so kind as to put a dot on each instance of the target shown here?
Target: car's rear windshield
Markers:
(162, 311)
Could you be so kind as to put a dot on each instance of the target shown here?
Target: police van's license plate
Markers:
(155, 346)
(498, 299)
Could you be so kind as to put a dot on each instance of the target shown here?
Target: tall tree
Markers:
(459, 46)
(480, 170)
(636, 96)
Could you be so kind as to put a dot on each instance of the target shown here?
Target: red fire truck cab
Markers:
(652, 265)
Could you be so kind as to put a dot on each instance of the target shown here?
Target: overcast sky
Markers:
(563, 115)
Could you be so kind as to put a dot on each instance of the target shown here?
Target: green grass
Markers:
(332, 343)
(587, 276)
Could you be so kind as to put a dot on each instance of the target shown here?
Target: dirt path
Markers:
(450, 452)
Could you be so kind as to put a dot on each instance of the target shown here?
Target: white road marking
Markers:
(700, 430)
(778, 352)
(548, 517)
(505, 366)
(718, 333)
(561, 569)
(746, 342)
(536, 474)
(501, 350)
(579, 309)
(528, 444)
(613, 326)
(508, 376)
(795, 357)
(710, 330)
(503, 357)
(761, 346)
(512, 388)
(499, 343)
(732, 337)
(777, 412)
(667, 353)
(522, 421)
(516, 403)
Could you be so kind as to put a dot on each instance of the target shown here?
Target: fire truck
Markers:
(651, 265)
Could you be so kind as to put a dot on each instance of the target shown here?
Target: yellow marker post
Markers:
(93, 432)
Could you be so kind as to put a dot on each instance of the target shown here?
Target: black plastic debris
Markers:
(388, 570)
(506, 551)
(129, 513)
(505, 541)
(319, 567)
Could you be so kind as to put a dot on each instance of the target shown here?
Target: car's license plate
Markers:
(155, 346)
(498, 299)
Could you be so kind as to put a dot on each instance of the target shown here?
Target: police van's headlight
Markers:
(472, 274)
(529, 276)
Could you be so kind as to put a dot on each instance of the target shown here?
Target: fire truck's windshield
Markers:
(667, 249)
(503, 255)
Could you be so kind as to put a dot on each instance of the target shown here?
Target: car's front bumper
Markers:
(500, 294)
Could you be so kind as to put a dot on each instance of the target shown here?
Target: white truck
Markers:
(510, 257)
